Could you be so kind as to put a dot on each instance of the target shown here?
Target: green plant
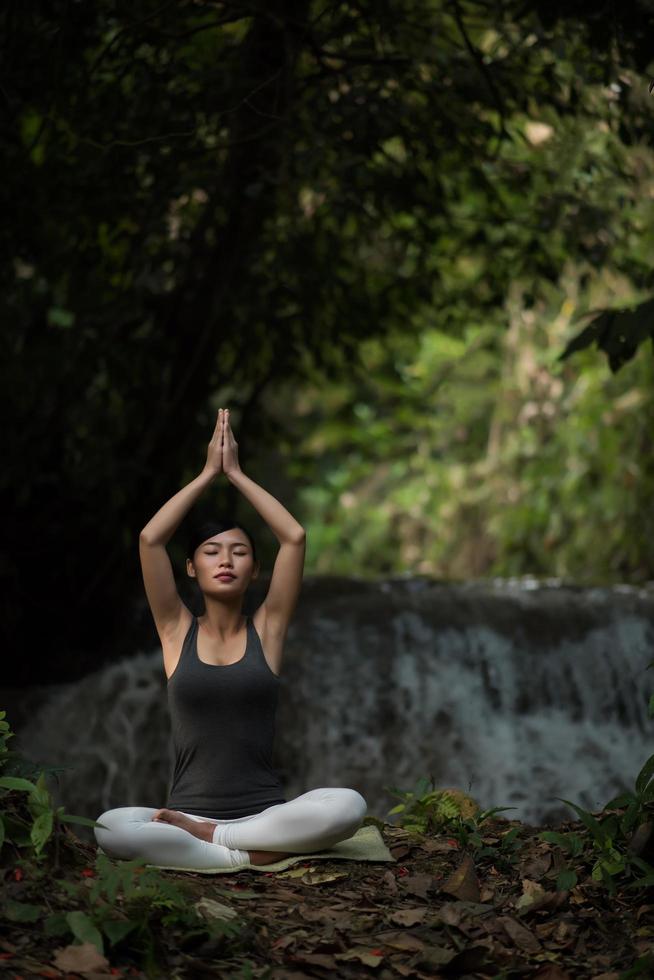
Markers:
(44, 818)
(33, 819)
(128, 899)
(425, 810)
(467, 831)
(428, 810)
(611, 834)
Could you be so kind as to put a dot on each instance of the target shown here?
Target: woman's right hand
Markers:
(214, 463)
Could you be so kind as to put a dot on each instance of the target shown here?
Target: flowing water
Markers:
(518, 692)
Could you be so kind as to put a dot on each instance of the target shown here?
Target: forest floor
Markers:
(438, 911)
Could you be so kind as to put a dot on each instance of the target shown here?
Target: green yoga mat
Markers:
(366, 845)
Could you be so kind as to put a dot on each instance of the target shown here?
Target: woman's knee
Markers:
(348, 811)
(114, 832)
(355, 807)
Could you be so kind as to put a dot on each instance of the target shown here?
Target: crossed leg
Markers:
(204, 829)
(314, 821)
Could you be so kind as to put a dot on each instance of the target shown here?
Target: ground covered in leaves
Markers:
(437, 911)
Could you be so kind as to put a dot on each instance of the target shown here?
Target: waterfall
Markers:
(515, 691)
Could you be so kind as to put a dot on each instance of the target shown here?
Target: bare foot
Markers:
(268, 857)
(203, 829)
(199, 828)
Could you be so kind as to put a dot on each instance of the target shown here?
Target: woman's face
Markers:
(223, 564)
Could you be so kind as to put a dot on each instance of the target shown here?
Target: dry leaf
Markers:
(210, 909)
(408, 917)
(522, 937)
(532, 895)
(363, 955)
(317, 877)
(553, 972)
(417, 885)
(82, 958)
(538, 864)
(463, 882)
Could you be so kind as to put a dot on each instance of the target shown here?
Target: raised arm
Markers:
(286, 579)
(160, 588)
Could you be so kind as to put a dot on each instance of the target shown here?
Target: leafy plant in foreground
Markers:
(426, 810)
(434, 810)
(126, 902)
(612, 834)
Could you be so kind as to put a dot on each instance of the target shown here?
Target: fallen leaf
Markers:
(463, 882)
(83, 958)
(553, 972)
(439, 846)
(452, 913)
(401, 940)
(532, 895)
(418, 885)
(408, 917)
(318, 877)
(388, 878)
(538, 864)
(208, 908)
(435, 956)
(294, 872)
(363, 955)
(522, 937)
(323, 960)
(535, 898)
(469, 960)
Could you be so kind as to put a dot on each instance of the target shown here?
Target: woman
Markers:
(226, 806)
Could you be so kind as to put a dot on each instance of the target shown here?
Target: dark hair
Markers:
(206, 530)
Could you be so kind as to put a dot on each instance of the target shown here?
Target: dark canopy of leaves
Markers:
(202, 197)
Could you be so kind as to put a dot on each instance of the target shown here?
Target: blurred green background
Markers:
(383, 235)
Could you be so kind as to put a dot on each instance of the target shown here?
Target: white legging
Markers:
(314, 821)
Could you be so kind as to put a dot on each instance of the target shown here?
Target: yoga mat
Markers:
(367, 844)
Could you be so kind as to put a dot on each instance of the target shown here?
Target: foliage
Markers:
(613, 835)
(481, 456)
(424, 812)
(202, 202)
(35, 820)
(126, 902)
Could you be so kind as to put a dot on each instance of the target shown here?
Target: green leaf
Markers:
(22, 911)
(41, 830)
(16, 782)
(117, 929)
(640, 863)
(56, 924)
(642, 882)
(58, 317)
(587, 819)
(645, 774)
(84, 821)
(566, 880)
(84, 929)
(553, 837)
(619, 801)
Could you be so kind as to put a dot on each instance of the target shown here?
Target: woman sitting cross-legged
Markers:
(226, 805)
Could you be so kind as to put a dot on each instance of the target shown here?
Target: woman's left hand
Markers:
(230, 447)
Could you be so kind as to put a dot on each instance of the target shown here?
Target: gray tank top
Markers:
(223, 728)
